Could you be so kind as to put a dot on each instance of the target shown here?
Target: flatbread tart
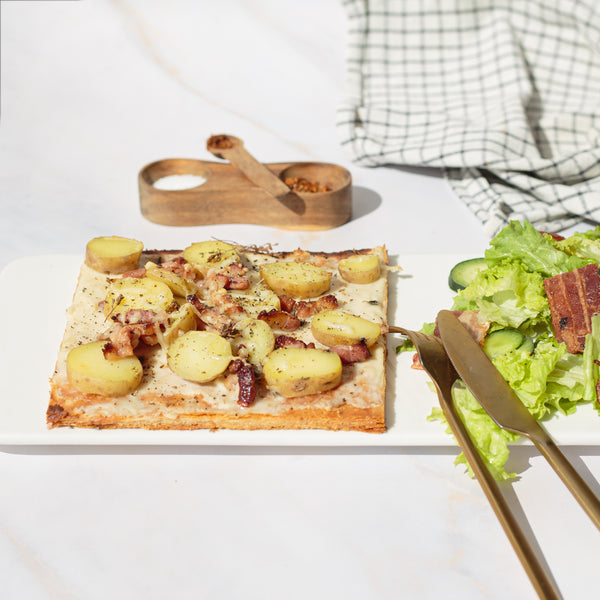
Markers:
(222, 336)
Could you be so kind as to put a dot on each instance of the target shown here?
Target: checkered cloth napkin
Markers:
(503, 95)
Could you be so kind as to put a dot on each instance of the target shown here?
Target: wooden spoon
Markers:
(232, 149)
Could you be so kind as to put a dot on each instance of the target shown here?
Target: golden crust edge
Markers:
(342, 418)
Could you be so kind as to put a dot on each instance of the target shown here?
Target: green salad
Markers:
(508, 291)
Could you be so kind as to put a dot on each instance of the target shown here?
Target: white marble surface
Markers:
(92, 91)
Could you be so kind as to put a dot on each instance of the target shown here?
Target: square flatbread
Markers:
(164, 400)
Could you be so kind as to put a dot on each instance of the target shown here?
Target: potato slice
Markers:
(255, 300)
(209, 254)
(298, 280)
(338, 328)
(91, 373)
(199, 356)
(258, 338)
(180, 286)
(184, 319)
(360, 268)
(137, 293)
(296, 372)
(113, 254)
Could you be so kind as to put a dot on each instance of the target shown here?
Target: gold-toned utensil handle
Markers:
(537, 572)
(569, 476)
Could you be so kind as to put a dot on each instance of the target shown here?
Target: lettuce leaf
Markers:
(592, 234)
(583, 246)
(491, 441)
(591, 354)
(528, 375)
(524, 243)
(508, 295)
(566, 386)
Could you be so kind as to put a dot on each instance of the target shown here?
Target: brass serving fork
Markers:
(437, 365)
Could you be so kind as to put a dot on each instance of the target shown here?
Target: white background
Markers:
(91, 92)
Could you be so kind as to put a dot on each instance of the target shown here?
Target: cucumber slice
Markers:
(504, 340)
(464, 272)
(527, 345)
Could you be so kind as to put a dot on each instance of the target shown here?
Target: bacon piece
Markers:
(416, 362)
(278, 319)
(287, 341)
(234, 270)
(215, 281)
(328, 302)
(554, 236)
(573, 297)
(210, 317)
(306, 309)
(246, 382)
(136, 273)
(230, 277)
(123, 340)
(237, 283)
(225, 303)
(352, 353)
(470, 319)
(179, 266)
(131, 327)
(287, 303)
(139, 315)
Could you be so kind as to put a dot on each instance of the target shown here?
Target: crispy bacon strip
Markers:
(279, 319)
(246, 382)
(287, 341)
(573, 297)
(352, 353)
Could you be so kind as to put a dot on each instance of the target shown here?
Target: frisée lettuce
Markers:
(509, 293)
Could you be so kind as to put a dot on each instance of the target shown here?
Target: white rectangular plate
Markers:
(36, 291)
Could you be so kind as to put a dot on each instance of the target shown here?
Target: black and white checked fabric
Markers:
(504, 95)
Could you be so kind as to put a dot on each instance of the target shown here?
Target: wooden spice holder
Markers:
(230, 196)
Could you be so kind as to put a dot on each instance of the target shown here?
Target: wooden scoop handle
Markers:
(232, 149)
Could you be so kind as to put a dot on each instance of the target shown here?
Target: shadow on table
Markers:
(364, 201)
